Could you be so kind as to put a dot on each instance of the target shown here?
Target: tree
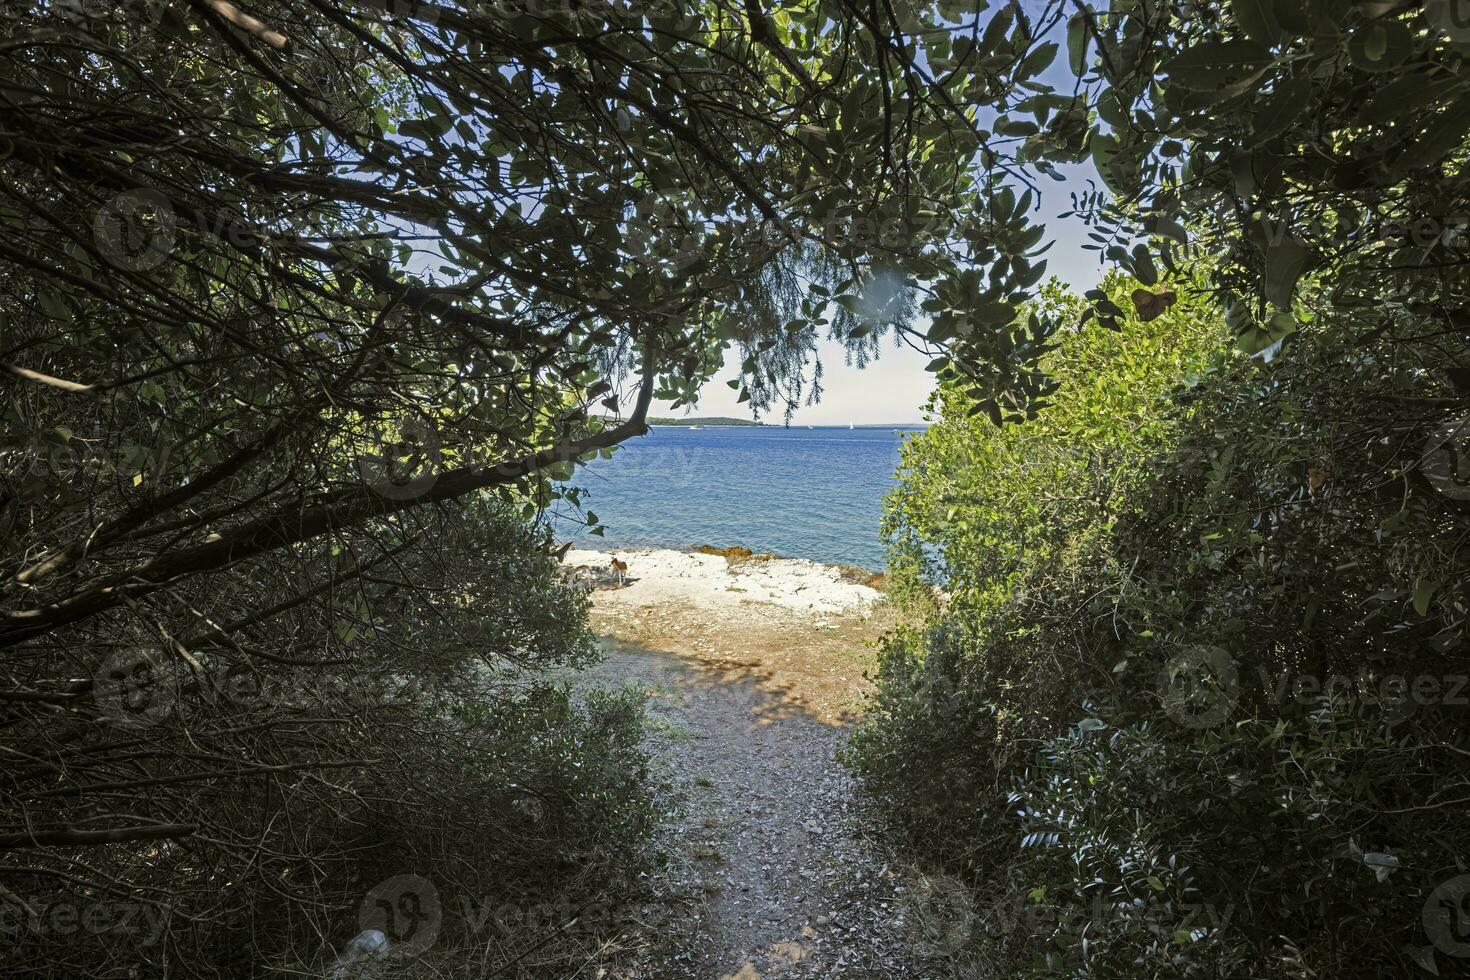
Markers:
(1302, 142)
(1171, 625)
(306, 299)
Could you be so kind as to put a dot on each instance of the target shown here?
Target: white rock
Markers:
(661, 575)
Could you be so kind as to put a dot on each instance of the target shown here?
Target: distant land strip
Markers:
(718, 420)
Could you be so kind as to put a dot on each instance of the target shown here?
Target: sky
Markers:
(893, 389)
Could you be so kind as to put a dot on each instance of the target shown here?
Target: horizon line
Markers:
(785, 425)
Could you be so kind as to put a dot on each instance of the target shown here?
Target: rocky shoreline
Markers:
(726, 579)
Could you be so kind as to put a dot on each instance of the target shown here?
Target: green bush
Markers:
(397, 742)
(1160, 714)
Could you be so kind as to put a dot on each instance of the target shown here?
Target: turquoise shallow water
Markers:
(804, 493)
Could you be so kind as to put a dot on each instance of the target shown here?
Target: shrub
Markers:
(387, 757)
(1160, 715)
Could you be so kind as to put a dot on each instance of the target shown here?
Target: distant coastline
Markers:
(717, 420)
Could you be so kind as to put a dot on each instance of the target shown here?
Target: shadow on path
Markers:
(747, 730)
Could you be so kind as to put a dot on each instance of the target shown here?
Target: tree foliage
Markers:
(1297, 142)
(310, 304)
(1196, 702)
(1190, 707)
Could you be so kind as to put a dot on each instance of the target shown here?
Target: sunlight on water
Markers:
(804, 493)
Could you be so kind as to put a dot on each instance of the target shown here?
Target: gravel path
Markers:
(768, 876)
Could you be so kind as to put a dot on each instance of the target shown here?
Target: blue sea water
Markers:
(801, 492)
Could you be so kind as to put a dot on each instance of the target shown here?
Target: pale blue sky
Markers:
(894, 388)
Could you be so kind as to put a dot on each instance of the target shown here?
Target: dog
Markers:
(621, 568)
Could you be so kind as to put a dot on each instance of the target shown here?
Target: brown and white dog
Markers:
(621, 567)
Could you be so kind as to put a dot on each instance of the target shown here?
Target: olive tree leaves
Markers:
(1217, 65)
(1078, 40)
(1285, 142)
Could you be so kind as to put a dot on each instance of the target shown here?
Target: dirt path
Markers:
(768, 876)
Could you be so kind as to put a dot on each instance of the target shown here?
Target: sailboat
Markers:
(851, 426)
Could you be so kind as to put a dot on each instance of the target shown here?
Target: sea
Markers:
(800, 492)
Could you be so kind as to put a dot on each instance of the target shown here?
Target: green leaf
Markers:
(1168, 228)
(1444, 135)
(1104, 147)
(1286, 260)
(996, 30)
(942, 328)
(1039, 60)
(1252, 340)
(424, 129)
(1281, 325)
(1216, 64)
(1258, 19)
(1381, 46)
(1243, 172)
(995, 313)
(1016, 127)
(1077, 41)
(953, 10)
(1293, 16)
(1275, 117)
(1405, 97)
(54, 306)
(1143, 266)
(1110, 109)
(1424, 591)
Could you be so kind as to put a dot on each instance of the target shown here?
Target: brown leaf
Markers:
(1151, 306)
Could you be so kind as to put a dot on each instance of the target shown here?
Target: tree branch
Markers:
(293, 525)
(93, 838)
